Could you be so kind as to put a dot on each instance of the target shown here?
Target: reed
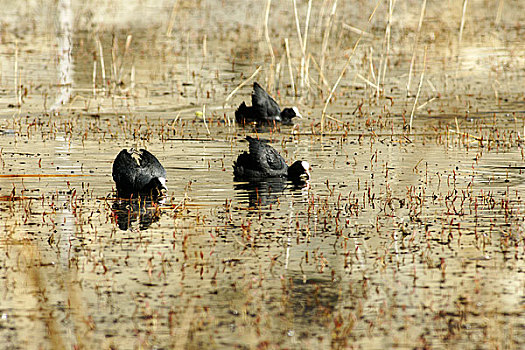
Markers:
(418, 89)
(323, 114)
(102, 66)
(269, 44)
(371, 64)
(122, 59)
(18, 97)
(381, 74)
(246, 81)
(460, 39)
(416, 41)
(171, 21)
(204, 119)
(332, 91)
(302, 42)
(499, 11)
(94, 77)
(326, 36)
(290, 69)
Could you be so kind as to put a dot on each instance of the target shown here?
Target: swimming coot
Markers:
(264, 110)
(263, 161)
(138, 172)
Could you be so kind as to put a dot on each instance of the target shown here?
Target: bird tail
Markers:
(241, 113)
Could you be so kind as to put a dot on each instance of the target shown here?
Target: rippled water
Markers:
(400, 239)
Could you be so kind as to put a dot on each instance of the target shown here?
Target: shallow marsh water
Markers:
(401, 239)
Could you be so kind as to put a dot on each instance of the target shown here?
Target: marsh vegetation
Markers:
(409, 233)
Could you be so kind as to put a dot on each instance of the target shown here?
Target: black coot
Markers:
(263, 161)
(264, 110)
(138, 172)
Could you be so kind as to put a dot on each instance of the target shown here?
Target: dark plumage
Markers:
(138, 172)
(264, 109)
(263, 161)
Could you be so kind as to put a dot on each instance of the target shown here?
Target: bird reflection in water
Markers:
(267, 191)
(145, 211)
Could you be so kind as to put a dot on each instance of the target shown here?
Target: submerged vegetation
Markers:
(408, 234)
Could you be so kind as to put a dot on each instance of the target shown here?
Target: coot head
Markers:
(288, 114)
(298, 170)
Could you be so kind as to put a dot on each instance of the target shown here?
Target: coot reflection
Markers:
(142, 211)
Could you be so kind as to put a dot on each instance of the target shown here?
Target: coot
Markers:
(264, 110)
(138, 172)
(263, 161)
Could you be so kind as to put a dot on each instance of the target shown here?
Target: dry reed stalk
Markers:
(298, 27)
(121, 65)
(418, 89)
(321, 75)
(321, 16)
(290, 70)
(323, 115)
(372, 63)
(94, 78)
(243, 83)
(373, 12)
(268, 42)
(132, 79)
(114, 63)
(300, 38)
(416, 41)
(204, 119)
(307, 24)
(102, 67)
(307, 70)
(426, 102)
(462, 21)
(498, 12)
(277, 73)
(19, 102)
(188, 56)
(16, 75)
(326, 36)
(465, 2)
(431, 85)
(302, 42)
(357, 30)
(386, 43)
(376, 79)
(304, 66)
(171, 21)
(309, 79)
(367, 81)
(476, 138)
